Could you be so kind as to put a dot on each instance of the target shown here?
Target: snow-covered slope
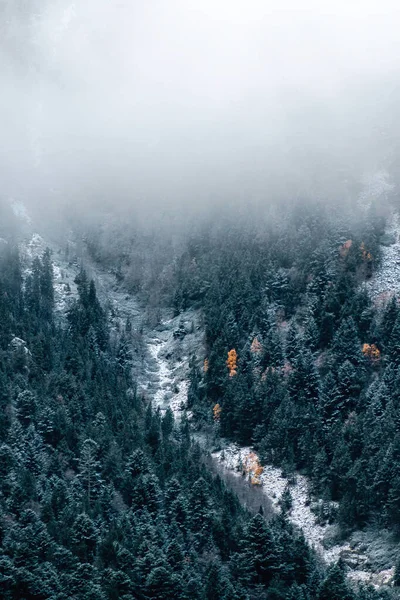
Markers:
(169, 350)
(375, 186)
(64, 271)
(387, 280)
(357, 552)
(274, 485)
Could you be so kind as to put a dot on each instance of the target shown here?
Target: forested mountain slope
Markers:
(199, 311)
(300, 359)
(313, 384)
(100, 495)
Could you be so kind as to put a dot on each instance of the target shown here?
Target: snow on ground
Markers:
(165, 378)
(32, 249)
(65, 288)
(162, 374)
(170, 392)
(387, 280)
(378, 580)
(169, 350)
(64, 271)
(273, 483)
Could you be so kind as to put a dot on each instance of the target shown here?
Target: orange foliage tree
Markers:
(371, 351)
(345, 248)
(206, 365)
(252, 467)
(367, 256)
(217, 412)
(231, 362)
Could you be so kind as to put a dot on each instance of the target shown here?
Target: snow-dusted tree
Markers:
(89, 469)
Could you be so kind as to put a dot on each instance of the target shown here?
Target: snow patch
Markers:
(33, 249)
(377, 580)
(387, 280)
(274, 484)
(171, 390)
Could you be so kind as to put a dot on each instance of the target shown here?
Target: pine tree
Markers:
(260, 550)
(346, 344)
(388, 320)
(334, 587)
(89, 470)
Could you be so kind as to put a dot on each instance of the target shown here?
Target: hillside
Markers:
(82, 389)
(199, 300)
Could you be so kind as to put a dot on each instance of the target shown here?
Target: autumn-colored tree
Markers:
(256, 478)
(256, 347)
(252, 467)
(345, 248)
(371, 351)
(206, 365)
(217, 412)
(367, 256)
(231, 362)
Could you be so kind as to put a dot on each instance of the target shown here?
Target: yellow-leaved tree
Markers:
(231, 362)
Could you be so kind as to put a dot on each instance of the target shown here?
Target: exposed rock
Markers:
(179, 333)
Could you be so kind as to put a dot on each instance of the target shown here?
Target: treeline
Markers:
(103, 498)
(316, 381)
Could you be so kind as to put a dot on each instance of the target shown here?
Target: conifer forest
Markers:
(199, 300)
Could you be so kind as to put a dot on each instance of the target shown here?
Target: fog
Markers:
(181, 104)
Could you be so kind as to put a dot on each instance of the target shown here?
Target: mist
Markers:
(162, 107)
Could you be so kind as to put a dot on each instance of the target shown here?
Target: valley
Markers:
(160, 364)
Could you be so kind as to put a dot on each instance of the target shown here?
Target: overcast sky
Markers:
(195, 102)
